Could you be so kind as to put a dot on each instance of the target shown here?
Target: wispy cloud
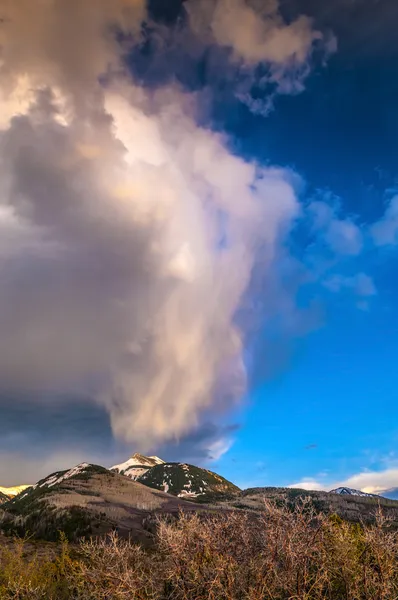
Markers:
(269, 53)
(372, 482)
(341, 234)
(361, 283)
(385, 231)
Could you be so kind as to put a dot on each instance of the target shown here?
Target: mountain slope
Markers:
(87, 500)
(182, 480)
(345, 491)
(3, 498)
(137, 465)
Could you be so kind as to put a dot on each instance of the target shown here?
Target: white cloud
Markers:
(372, 482)
(385, 231)
(360, 284)
(220, 447)
(308, 484)
(343, 236)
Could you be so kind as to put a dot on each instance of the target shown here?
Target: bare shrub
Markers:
(243, 556)
(278, 554)
(112, 568)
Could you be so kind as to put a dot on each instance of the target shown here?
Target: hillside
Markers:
(137, 465)
(182, 480)
(87, 499)
(349, 507)
(3, 498)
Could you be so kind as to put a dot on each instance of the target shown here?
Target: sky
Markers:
(198, 238)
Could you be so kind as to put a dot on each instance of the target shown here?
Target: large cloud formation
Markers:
(128, 234)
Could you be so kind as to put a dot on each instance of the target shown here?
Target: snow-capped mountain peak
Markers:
(137, 465)
(346, 491)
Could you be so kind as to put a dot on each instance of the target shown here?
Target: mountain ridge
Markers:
(346, 491)
(89, 499)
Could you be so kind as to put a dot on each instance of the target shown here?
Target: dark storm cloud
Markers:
(206, 443)
(259, 54)
(33, 424)
(364, 28)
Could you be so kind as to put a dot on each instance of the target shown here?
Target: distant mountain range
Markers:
(91, 500)
(181, 479)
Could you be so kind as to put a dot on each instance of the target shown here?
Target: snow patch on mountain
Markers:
(57, 478)
(345, 491)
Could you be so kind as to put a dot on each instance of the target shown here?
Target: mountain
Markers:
(10, 492)
(392, 493)
(185, 480)
(87, 500)
(345, 491)
(3, 498)
(137, 465)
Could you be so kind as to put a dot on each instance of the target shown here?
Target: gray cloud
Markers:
(271, 55)
(204, 445)
(234, 50)
(39, 435)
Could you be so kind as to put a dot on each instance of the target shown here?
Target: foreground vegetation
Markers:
(280, 554)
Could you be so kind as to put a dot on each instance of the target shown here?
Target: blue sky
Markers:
(290, 103)
(332, 411)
